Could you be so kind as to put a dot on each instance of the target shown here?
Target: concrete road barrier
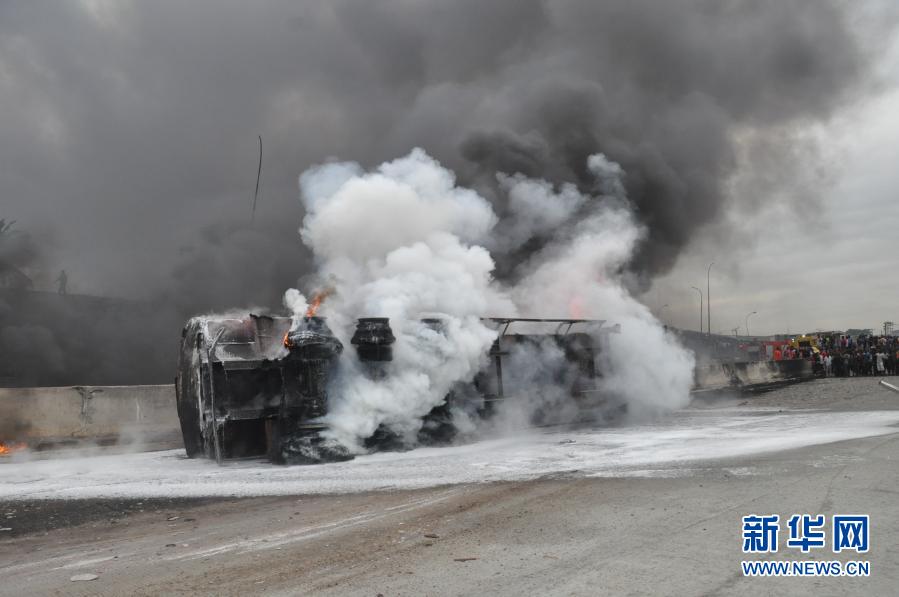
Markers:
(721, 375)
(106, 414)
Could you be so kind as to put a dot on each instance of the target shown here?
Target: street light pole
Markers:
(700, 307)
(747, 322)
(708, 297)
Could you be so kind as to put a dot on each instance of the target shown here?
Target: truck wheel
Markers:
(189, 416)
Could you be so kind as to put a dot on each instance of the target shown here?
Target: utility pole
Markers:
(258, 177)
(747, 322)
(700, 307)
(708, 297)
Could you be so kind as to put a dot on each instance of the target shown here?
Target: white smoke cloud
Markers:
(399, 243)
(405, 242)
(643, 364)
(535, 209)
(358, 216)
(295, 301)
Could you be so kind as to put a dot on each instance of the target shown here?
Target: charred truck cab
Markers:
(245, 385)
(258, 385)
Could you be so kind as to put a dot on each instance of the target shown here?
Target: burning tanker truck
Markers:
(260, 385)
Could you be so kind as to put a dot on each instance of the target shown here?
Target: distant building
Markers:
(860, 332)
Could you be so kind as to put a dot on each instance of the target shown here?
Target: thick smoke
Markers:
(401, 242)
(130, 133)
(583, 270)
(404, 241)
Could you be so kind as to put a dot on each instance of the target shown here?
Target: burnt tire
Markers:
(189, 417)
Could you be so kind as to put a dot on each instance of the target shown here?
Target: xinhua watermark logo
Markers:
(807, 533)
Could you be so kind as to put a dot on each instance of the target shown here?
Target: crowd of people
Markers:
(846, 356)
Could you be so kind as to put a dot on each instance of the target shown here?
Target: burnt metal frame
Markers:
(210, 352)
(506, 323)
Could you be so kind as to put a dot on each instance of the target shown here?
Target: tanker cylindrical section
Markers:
(309, 367)
(312, 339)
(373, 339)
(308, 371)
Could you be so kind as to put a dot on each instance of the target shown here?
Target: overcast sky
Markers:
(761, 135)
(831, 266)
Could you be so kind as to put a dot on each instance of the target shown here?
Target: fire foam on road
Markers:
(665, 447)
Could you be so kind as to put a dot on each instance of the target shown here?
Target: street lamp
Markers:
(747, 322)
(700, 307)
(708, 297)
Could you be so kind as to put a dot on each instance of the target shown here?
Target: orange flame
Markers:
(7, 449)
(317, 300)
(285, 340)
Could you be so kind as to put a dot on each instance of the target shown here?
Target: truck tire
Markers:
(189, 416)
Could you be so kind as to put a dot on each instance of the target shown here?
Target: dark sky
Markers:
(129, 129)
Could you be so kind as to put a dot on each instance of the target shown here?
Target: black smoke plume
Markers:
(130, 129)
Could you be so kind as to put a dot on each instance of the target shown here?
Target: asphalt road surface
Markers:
(673, 529)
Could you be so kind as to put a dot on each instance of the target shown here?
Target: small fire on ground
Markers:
(12, 448)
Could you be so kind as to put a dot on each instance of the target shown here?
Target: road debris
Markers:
(84, 577)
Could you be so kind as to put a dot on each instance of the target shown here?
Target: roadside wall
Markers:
(102, 413)
(723, 374)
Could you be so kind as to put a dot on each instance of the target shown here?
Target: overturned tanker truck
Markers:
(259, 385)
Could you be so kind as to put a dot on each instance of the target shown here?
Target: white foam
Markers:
(669, 445)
